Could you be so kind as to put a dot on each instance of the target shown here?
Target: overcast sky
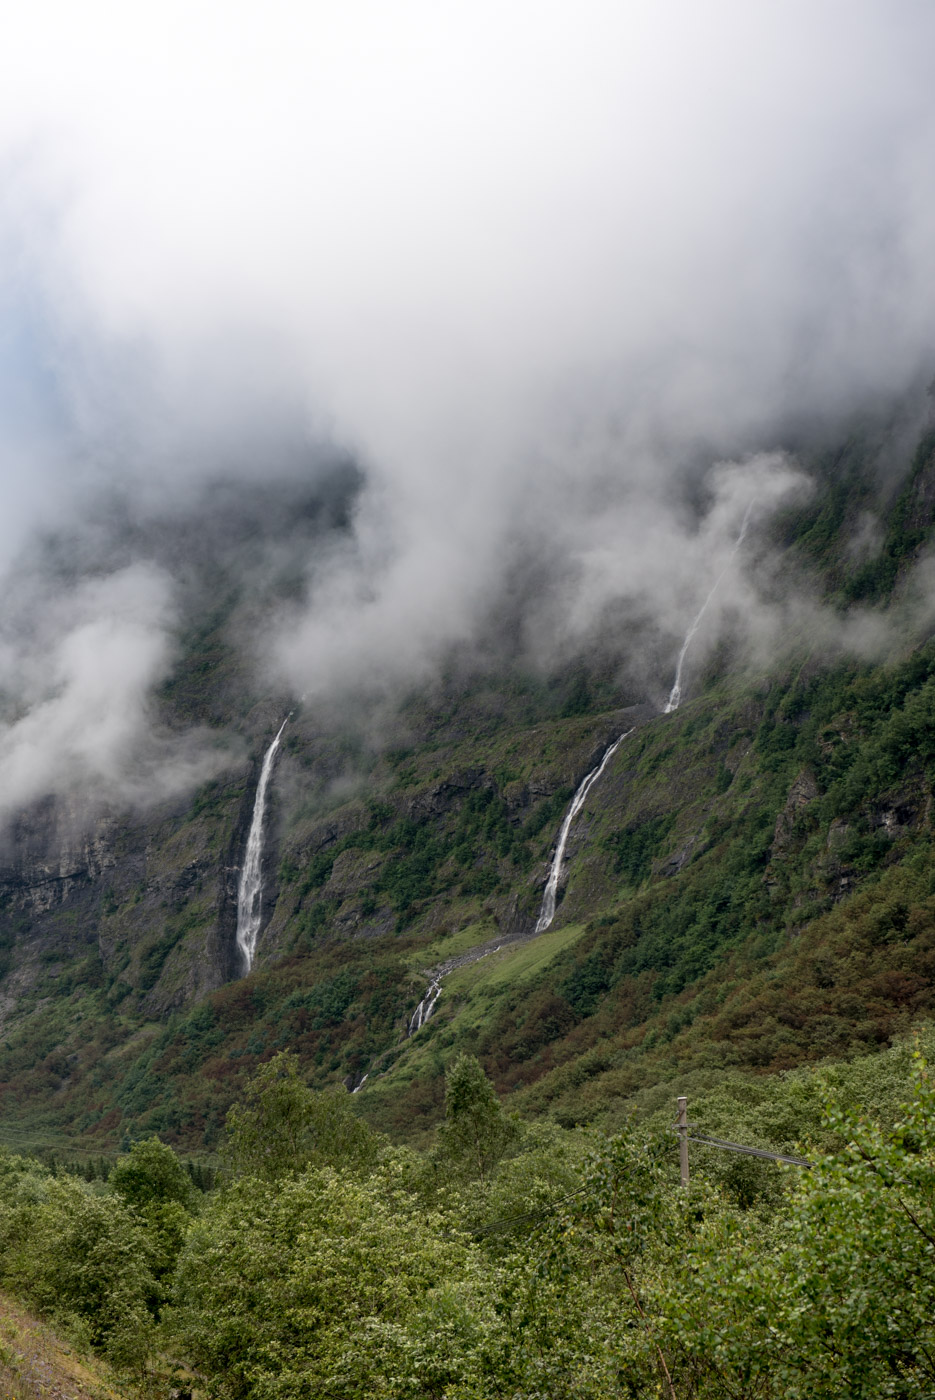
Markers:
(421, 214)
(522, 258)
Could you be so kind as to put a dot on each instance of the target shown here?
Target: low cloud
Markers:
(536, 272)
(77, 689)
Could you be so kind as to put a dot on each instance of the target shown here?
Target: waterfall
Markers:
(250, 890)
(426, 1006)
(547, 913)
(675, 694)
(428, 1003)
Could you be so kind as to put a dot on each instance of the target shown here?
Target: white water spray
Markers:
(675, 694)
(250, 890)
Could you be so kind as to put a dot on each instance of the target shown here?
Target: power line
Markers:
(529, 1215)
(752, 1151)
(682, 1125)
(702, 1140)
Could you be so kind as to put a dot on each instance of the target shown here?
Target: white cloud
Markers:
(77, 687)
(529, 261)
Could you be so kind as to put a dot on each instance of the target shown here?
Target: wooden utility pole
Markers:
(682, 1125)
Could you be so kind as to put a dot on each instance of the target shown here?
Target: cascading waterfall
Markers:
(426, 1006)
(428, 1003)
(547, 912)
(250, 890)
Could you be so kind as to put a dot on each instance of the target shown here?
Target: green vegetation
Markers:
(282, 1127)
(750, 894)
(425, 858)
(508, 1258)
(776, 918)
(80, 1258)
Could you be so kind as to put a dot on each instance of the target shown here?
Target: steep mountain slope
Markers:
(750, 883)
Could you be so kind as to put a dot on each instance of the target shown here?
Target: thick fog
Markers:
(561, 278)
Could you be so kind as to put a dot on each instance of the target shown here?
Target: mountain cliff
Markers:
(750, 882)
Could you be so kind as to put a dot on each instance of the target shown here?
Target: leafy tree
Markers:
(476, 1132)
(154, 1185)
(619, 1228)
(81, 1258)
(151, 1174)
(330, 1286)
(284, 1126)
(576, 1295)
(837, 1296)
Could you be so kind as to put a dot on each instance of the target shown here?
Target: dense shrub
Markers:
(520, 1261)
(80, 1257)
(328, 1286)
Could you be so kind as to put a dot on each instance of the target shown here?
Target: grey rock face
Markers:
(145, 902)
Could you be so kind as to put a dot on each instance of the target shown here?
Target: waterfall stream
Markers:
(547, 912)
(675, 694)
(250, 889)
(426, 1006)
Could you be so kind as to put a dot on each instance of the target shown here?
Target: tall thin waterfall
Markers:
(547, 912)
(250, 890)
(675, 694)
(427, 1005)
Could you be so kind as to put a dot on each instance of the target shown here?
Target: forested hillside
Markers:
(508, 1257)
(749, 885)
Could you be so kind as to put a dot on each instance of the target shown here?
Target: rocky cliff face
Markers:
(146, 902)
(149, 900)
(145, 899)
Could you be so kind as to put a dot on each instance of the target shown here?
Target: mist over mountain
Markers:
(467, 681)
(537, 276)
(436, 381)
